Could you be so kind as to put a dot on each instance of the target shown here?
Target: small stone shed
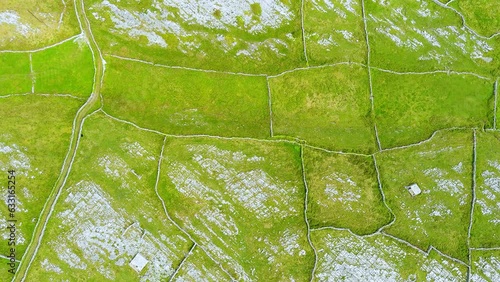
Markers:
(413, 189)
(138, 262)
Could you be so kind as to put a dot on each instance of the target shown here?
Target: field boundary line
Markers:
(46, 47)
(336, 152)
(345, 229)
(464, 23)
(306, 218)
(62, 14)
(304, 46)
(269, 97)
(32, 74)
(495, 93)
(486, 249)
(379, 181)
(449, 72)
(315, 67)
(473, 200)
(182, 261)
(44, 95)
(158, 175)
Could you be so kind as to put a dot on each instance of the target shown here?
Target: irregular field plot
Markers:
(187, 102)
(108, 212)
(31, 24)
(409, 108)
(420, 35)
(66, 68)
(15, 74)
(248, 36)
(480, 15)
(442, 169)
(486, 225)
(334, 31)
(327, 107)
(34, 141)
(243, 202)
(199, 267)
(344, 257)
(343, 192)
(485, 266)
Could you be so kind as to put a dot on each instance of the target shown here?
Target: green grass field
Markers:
(480, 15)
(334, 33)
(343, 192)
(109, 211)
(327, 107)
(66, 68)
(409, 108)
(485, 228)
(442, 168)
(187, 102)
(344, 257)
(243, 201)
(34, 140)
(15, 74)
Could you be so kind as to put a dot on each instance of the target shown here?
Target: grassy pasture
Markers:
(15, 74)
(480, 15)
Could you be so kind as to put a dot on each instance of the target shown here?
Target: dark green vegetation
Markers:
(15, 74)
(109, 211)
(327, 107)
(66, 68)
(409, 108)
(343, 192)
(187, 102)
(485, 228)
(442, 168)
(33, 142)
(242, 201)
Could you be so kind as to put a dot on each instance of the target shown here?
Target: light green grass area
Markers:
(480, 15)
(199, 267)
(409, 108)
(243, 202)
(225, 36)
(15, 74)
(334, 32)
(32, 24)
(485, 266)
(327, 107)
(108, 212)
(343, 192)
(486, 225)
(421, 36)
(187, 102)
(65, 69)
(442, 168)
(34, 140)
(344, 257)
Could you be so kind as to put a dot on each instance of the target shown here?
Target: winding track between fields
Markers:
(92, 101)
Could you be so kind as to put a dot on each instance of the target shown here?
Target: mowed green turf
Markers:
(480, 15)
(177, 101)
(15, 74)
(243, 201)
(334, 32)
(64, 69)
(409, 108)
(108, 211)
(344, 192)
(485, 231)
(442, 167)
(328, 107)
(345, 257)
(35, 137)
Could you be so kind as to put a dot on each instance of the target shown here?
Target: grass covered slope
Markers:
(442, 167)
(344, 192)
(410, 107)
(246, 36)
(177, 101)
(334, 31)
(63, 69)
(480, 15)
(485, 266)
(33, 142)
(243, 201)
(109, 211)
(15, 73)
(327, 107)
(485, 231)
(199, 267)
(345, 257)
